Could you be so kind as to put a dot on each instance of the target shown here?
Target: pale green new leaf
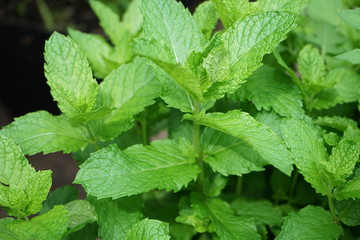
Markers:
(109, 20)
(263, 212)
(351, 17)
(311, 66)
(51, 225)
(350, 189)
(231, 11)
(226, 224)
(206, 18)
(96, 50)
(128, 89)
(308, 224)
(269, 88)
(167, 23)
(242, 48)
(294, 6)
(165, 164)
(352, 56)
(149, 229)
(132, 18)
(42, 132)
(229, 155)
(81, 212)
(336, 122)
(309, 153)
(257, 135)
(69, 75)
(22, 189)
(117, 217)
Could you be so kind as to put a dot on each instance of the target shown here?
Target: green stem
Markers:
(294, 183)
(46, 15)
(92, 138)
(239, 183)
(197, 146)
(332, 208)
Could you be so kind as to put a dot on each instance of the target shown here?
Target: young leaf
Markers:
(162, 19)
(132, 18)
(51, 225)
(149, 229)
(242, 48)
(42, 132)
(259, 136)
(263, 212)
(97, 51)
(351, 17)
(59, 196)
(165, 164)
(69, 75)
(276, 92)
(309, 223)
(309, 153)
(81, 212)
(229, 155)
(347, 84)
(206, 18)
(117, 217)
(350, 189)
(22, 189)
(352, 56)
(294, 6)
(128, 89)
(336, 122)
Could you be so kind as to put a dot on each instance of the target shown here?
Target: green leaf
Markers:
(22, 189)
(231, 11)
(214, 184)
(351, 17)
(330, 8)
(310, 223)
(346, 84)
(162, 19)
(309, 153)
(149, 229)
(117, 217)
(206, 18)
(263, 212)
(59, 196)
(128, 89)
(269, 88)
(132, 18)
(226, 224)
(109, 20)
(42, 132)
(350, 189)
(242, 48)
(96, 50)
(165, 164)
(69, 75)
(81, 212)
(352, 56)
(294, 6)
(349, 211)
(311, 66)
(51, 225)
(336, 122)
(229, 155)
(259, 136)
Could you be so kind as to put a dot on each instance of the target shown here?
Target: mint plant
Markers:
(260, 115)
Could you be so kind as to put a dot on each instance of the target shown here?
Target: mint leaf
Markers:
(117, 217)
(242, 48)
(59, 196)
(81, 212)
(69, 75)
(347, 84)
(7, 234)
(132, 18)
(309, 153)
(165, 164)
(22, 189)
(336, 122)
(276, 92)
(350, 189)
(309, 223)
(51, 225)
(138, 89)
(349, 211)
(351, 17)
(206, 18)
(352, 56)
(96, 50)
(294, 6)
(162, 19)
(263, 212)
(229, 155)
(259, 136)
(149, 229)
(42, 132)
(231, 11)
